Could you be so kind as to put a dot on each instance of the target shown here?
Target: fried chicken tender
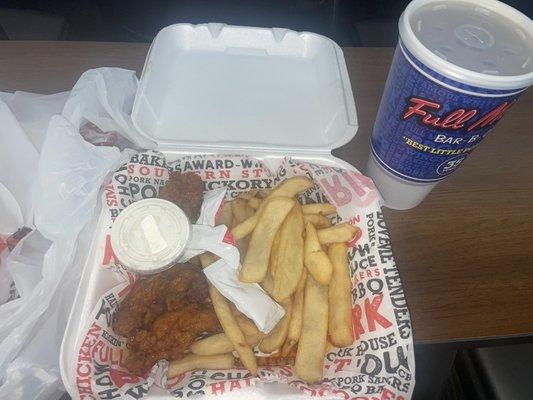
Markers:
(186, 191)
(163, 314)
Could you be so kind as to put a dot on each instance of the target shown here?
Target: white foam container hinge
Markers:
(215, 89)
(226, 87)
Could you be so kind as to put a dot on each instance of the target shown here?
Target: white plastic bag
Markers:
(104, 97)
(33, 111)
(54, 192)
(25, 117)
(18, 160)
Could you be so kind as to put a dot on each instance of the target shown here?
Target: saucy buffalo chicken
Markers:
(186, 191)
(163, 314)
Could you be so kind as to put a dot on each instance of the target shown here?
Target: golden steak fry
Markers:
(244, 228)
(255, 265)
(289, 257)
(253, 340)
(232, 330)
(246, 325)
(318, 220)
(220, 344)
(268, 284)
(319, 208)
(206, 259)
(254, 203)
(309, 364)
(291, 187)
(288, 188)
(192, 362)
(315, 259)
(226, 216)
(339, 233)
(273, 262)
(240, 210)
(212, 345)
(295, 325)
(340, 299)
(275, 338)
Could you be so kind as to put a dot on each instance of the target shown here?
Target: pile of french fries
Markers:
(301, 261)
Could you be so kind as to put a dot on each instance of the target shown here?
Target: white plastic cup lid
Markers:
(484, 43)
(149, 235)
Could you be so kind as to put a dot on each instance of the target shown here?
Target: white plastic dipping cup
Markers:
(150, 235)
(458, 67)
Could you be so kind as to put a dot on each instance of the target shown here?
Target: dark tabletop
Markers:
(465, 254)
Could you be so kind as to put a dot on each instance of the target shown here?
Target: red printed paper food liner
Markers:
(379, 364)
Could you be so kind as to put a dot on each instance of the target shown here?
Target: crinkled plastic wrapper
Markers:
(379, 364)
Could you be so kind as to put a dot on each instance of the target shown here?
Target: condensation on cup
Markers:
(458, 67)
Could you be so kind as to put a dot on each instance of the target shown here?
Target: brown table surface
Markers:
(465, 254)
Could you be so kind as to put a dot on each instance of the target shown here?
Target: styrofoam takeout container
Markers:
(215, 89)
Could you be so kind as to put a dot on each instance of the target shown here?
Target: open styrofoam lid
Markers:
(219, 86)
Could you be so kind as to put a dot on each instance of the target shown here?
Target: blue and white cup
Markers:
(458, 67)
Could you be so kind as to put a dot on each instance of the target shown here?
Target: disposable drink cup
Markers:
(458, 67)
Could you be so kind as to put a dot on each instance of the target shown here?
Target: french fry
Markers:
(319, 208)
(316, 260)
(246, 227)
(288, 188)
(226, 215)
(206, 259)
(254, 203)
(253, 340)
(309, 363)
(340, 302)
(220, 344)
(232, 330)
(329, 346)
(339, 233)
(289, 259)
(291, 353)
(291, 187)
(318, 220)
(240, 210)
(248, 195)
(295, 325)
(287, 347)
(274, 259)
(212, 345)
(268, 284)
(246, 325)
(242, 246)
(192, 362)
(255, 265)
(263, 194)
(275, 338)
